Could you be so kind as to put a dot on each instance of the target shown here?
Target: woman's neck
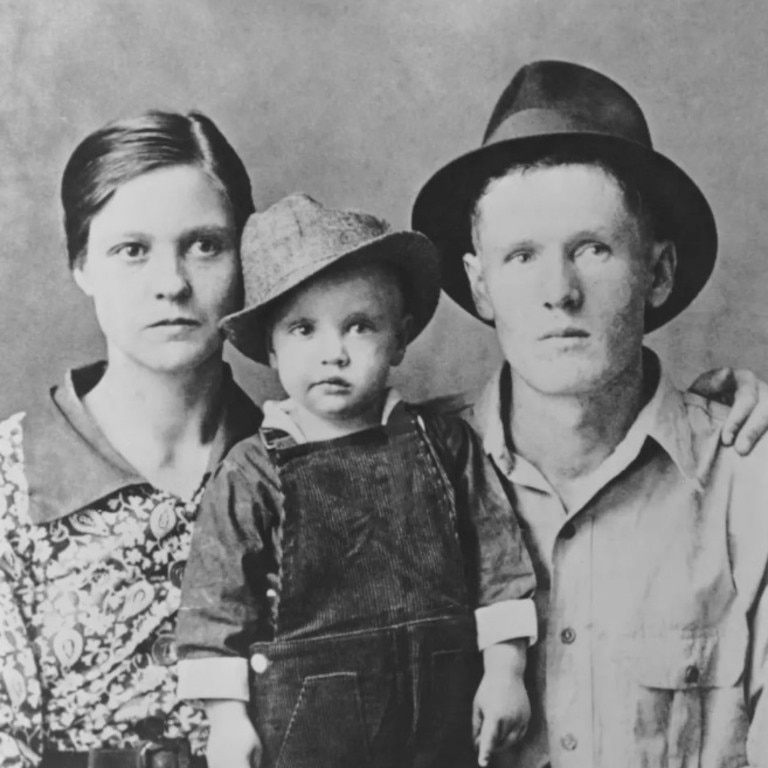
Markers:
(163, 424)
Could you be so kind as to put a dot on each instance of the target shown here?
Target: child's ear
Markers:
(404, 335)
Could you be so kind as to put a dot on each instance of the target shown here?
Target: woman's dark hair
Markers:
(125, 149)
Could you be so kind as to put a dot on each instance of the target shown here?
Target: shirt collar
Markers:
(278, 414)
(69, 462)
(663, 419)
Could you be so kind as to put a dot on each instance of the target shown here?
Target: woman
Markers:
(101, 481)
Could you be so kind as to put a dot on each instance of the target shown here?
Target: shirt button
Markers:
(568, 635)
(691, 674)
(164, 650)
(259, 663)
(569, 742)
(568, 531)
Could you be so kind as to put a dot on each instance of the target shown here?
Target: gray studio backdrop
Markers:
(356, 103)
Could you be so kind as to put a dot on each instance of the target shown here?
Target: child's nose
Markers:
(334, 350)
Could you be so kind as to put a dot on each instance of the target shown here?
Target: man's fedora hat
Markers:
(552, 107)
(297, 238)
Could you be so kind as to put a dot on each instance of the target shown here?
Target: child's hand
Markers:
(501, 708)
(233, 741)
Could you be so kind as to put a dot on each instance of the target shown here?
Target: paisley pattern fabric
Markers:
(87, 610)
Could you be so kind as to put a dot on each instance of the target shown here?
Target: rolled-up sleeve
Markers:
(231, 555)
(499, 569)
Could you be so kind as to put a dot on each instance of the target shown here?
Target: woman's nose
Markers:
(168, 276)
(560, 284)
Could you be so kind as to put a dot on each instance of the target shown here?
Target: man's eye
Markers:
(518, 257)
(593, 249)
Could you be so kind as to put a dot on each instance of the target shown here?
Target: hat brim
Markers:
(411, 253)
(443, 208)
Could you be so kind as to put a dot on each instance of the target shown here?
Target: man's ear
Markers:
(663, 267)
(81, 278)
(474, 269)
(404, 336)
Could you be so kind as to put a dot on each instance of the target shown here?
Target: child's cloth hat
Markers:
(297, 238)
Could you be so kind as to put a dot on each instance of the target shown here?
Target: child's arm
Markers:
(501, 709)
(232, 741)
(221, 603)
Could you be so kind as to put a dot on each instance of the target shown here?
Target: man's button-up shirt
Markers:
(652, 595)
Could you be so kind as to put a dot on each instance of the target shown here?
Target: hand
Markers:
(501, 709)
(747, 421)
(233, 741)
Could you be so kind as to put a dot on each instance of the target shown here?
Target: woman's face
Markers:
(162, 268)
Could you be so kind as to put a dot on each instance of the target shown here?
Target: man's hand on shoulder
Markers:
(747, 395)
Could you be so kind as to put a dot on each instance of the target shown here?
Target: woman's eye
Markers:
(130, 251)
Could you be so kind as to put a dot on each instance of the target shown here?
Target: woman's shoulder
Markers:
(11, 434)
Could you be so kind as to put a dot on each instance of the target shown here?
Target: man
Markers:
(650, 536)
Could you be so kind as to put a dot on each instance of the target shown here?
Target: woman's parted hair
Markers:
(125, 149)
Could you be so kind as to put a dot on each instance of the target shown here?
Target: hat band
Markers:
(528, 123)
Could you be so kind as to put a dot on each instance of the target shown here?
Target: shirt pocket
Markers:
(689, 704)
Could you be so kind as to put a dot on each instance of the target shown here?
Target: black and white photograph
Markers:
(383, 384)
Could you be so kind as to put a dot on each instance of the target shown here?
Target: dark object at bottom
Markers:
(173, 753)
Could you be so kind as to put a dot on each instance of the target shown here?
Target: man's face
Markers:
(566, 271)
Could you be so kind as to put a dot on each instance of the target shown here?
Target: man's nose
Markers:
(168, 275)
(560, 283)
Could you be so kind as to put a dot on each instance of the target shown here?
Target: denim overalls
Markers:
(373, 660)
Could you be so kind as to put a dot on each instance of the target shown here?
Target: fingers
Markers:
(719, 385)
(745, 400)
(487, 741)
(754, 427)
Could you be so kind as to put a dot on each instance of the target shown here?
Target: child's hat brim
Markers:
(412, 254)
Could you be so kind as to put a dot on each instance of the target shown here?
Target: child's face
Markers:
(334, 340)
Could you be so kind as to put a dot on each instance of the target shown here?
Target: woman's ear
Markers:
(404, 335)
(663, 266)
(79, 273)
(473, 266)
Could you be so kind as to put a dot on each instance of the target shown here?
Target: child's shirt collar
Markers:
(278, 414)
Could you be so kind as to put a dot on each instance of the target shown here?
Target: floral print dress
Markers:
(89, 594)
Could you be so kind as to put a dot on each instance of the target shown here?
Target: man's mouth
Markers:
(565, 333)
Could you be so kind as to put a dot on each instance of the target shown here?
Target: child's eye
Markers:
(360, 327)
(301, 329)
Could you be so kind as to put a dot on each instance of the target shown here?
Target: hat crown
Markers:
(549, 97)
(298, 235)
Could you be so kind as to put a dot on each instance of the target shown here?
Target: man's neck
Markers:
(568, 437)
